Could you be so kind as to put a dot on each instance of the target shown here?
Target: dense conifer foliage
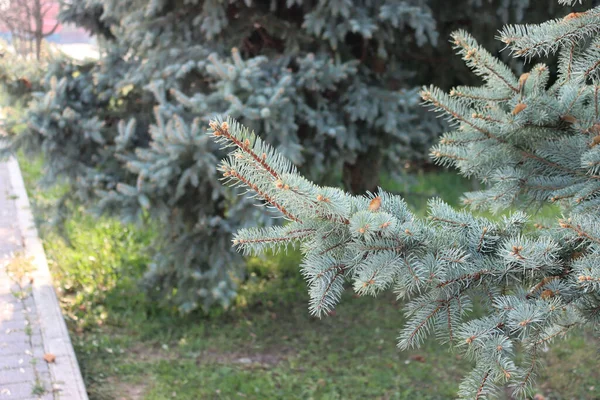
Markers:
(533, 139)
(332, 85)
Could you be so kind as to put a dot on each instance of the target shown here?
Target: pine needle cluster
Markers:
(532, 141)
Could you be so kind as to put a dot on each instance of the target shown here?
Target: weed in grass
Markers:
(22, 293)
(38, 388)
(19, 267)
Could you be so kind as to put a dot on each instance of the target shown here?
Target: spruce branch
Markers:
(440, 265)
(531, 143)
(546, 38)
(482, 62)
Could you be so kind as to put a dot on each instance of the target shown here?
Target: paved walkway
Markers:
(36, 356)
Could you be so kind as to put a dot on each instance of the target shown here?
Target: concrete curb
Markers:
(66, 377)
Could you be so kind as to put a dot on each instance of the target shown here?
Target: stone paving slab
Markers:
(31, 323)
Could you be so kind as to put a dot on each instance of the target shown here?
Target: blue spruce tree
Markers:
(330, 84)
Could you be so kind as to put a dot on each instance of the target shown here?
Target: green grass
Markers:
(267, 346)
(418, 188)
(274, 352)
(450, 187)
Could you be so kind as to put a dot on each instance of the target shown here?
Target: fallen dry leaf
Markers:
(49, 357)
(417, 357)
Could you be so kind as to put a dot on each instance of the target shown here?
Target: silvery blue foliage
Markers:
(534, 140)
(125, 131)
(329, 83)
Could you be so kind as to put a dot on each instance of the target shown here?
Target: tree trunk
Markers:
(38, 46)
(363, 174)
(38, 28)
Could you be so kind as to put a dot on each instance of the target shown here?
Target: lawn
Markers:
(267, 346)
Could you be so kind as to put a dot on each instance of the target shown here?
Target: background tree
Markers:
(333, 86)
(25, 20)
